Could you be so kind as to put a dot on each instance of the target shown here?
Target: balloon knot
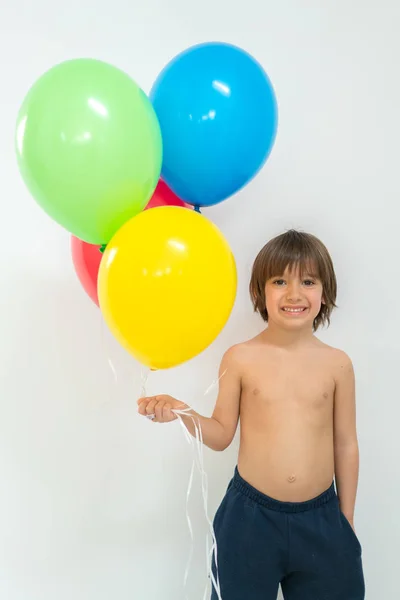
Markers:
(197, 208)
(102, 248)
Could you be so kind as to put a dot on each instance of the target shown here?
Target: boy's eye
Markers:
(306, 282)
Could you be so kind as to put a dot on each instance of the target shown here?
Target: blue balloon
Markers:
(218, 115)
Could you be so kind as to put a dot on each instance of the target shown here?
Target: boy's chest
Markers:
(303, 384)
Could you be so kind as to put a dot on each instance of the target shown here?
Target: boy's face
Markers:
(292, 301)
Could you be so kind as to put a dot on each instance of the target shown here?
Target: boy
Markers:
(281, 521)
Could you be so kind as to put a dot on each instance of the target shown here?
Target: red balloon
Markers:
(164, 196)
(87, 257)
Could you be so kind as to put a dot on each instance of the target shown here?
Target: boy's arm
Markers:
(218, 430)
(345, 437)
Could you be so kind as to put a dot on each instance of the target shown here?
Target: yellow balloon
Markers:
(167, 285)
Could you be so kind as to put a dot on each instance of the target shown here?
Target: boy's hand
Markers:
(161, 407)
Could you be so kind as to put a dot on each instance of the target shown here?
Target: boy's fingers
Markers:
(151, 406)
(142, 407)
(158, 410)
(167, 412)
(157, 406)
(143, 400)
(147, 399)
(143, 404)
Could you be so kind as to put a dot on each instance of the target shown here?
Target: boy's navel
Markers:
(291, 478)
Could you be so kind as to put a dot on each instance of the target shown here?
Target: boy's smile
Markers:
(294, 311)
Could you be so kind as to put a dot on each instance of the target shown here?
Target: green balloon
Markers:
(89, 147)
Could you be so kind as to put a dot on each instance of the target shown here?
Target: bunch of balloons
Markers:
(122, 172)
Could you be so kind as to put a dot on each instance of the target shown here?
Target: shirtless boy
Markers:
(288, 514)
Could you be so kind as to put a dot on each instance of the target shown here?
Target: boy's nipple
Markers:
(291, 478)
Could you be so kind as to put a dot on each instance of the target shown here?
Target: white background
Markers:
(92, 497)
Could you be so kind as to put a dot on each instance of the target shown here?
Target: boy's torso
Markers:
(286, 419)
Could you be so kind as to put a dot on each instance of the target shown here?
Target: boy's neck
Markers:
(287, 338)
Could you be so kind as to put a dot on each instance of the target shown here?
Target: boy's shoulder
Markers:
(243, 351)
(236, 352)
(336, 361)
(337, 355)
(237, 355)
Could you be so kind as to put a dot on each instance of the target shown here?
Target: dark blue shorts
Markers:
(308, 547)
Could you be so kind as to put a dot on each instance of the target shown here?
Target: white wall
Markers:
(92, 497)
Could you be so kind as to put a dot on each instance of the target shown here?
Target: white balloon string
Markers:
(189, 522)
(144, 376)
(198, 460)
(106, 351)
(214, 383)
(196, 442)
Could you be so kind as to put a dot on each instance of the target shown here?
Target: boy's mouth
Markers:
(294, 310)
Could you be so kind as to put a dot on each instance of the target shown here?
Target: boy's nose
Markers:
(293, 293)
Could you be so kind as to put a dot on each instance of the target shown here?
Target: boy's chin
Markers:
(297, 321)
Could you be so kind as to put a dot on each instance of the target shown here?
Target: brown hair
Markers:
(294, 249)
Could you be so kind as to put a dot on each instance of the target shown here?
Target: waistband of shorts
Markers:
(287, 507)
